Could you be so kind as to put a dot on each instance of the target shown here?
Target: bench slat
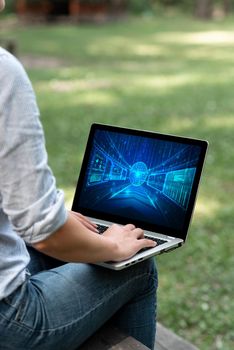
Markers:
(167, 340)
(109, 338)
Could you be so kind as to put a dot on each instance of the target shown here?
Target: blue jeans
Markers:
(60, 305)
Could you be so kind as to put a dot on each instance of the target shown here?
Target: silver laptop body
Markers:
(140, 177)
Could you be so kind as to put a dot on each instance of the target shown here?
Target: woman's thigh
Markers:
(61, 307)
(40, 262)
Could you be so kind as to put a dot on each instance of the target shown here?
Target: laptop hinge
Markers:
(172, 248)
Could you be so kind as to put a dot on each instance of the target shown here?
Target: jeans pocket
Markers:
(16, 302)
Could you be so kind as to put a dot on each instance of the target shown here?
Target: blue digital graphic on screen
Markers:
(140, 178)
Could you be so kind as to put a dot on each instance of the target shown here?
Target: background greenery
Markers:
(171, 74)
(148, 6)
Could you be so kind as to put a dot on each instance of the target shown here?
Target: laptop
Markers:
(140, 177)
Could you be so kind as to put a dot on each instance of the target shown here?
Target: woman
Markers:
(49, 296)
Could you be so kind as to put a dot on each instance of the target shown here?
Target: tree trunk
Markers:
(204, 8)
(226, 6)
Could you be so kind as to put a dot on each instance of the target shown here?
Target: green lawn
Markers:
(168, 74)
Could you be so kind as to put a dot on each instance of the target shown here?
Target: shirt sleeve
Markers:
(29, 197)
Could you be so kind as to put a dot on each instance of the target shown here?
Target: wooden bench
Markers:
(167, 340)
(108, 338)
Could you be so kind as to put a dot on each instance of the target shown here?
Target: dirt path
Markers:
(30, 61)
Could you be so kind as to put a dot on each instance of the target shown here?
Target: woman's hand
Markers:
(128, 240)
(77, 241)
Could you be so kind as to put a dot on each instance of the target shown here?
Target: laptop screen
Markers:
(144, 178)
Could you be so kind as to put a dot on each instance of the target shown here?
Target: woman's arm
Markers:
(74, 242)
(29, 197)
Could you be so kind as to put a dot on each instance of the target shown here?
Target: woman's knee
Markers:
(148, 270)
(152, 271)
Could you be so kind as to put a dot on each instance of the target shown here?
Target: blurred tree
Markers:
(204, 8)
(139, 6)
(227, 6)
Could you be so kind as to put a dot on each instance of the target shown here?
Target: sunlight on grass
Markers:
(68, 72)
(127, 46)
(179, 124)
(210, 38)
(201, 38)
(98, 98)
(140, 81)
(92, 92)
(204, 52)
(220, 122)
(165, 81)
(207, 208)
(149, 50)
(74, 85)
(69, 194)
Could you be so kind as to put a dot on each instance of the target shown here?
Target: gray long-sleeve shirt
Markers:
(31, 208)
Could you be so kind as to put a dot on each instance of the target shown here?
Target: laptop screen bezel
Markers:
(177, 233)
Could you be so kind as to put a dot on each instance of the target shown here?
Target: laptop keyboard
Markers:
(102, 228)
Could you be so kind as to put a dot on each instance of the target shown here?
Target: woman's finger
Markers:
(129, 227)
(146, 243)
(138, 232)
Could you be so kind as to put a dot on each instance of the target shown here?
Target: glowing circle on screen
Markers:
(138, 174)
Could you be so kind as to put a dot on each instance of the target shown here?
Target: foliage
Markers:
(154, 6)
(10, 6)
(168, 74)
(139, 6)
(143, 6)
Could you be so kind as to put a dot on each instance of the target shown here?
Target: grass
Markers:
(172, 75)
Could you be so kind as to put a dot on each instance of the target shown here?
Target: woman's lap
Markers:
(59, 308)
